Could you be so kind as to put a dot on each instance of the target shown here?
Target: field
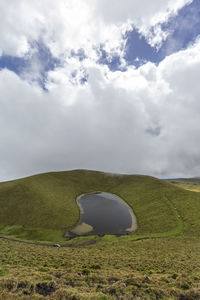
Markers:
(191, 184)
(159, 261)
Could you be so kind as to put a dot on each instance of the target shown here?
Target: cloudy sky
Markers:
(97, 84)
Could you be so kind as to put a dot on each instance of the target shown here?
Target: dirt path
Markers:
(79, 244)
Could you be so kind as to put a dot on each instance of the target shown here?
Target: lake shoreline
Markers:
(116, 203)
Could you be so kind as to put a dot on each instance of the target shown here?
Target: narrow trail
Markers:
(180, 225)
(74, 245)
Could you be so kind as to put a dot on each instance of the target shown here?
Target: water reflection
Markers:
(104, 213)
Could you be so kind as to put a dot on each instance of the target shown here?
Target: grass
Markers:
(43, 207)
(146, 269)
(159, 261)
(191, 184)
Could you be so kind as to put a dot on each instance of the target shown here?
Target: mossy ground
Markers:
(160, 261)
(147, 269)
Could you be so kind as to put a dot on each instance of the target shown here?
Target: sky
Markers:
(103, 85)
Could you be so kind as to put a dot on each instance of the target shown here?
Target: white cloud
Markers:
(144, 14)
(61, 25)
(65, 25)
(140, 12)
(142, 120)
(138, 121)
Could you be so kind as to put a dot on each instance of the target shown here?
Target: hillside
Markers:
(43, 206)
(159, 261)
(191, 184)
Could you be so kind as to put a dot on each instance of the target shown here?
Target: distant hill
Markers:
(42, 207)
(191, 184)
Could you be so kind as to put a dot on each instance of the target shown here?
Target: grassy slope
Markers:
(146, 269)
(115, 268)
(191, 184)
(43, 206)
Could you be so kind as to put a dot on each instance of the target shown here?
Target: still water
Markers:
(104, 213)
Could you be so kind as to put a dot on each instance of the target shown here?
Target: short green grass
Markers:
(159, 261)
(43, 207)
(191, 184)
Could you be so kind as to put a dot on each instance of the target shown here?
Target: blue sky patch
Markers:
(183, 29)
(77, 79)
(80, 54)
(15, 64)
(138, 51)
(113, 62)
(39, 62)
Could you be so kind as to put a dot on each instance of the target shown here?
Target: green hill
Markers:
(43, 207)
(191, 184)
(159, 261)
